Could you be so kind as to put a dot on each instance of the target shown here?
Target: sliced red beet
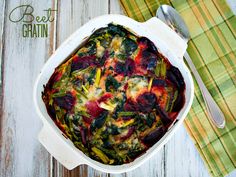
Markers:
(179, 102)
(126, 118)
(154, 136)
(165, 119)
(87, 119)
(159, 82)
(129, 67)
(146, 102)
(82, 62)
(130, 105)
(93, 108)
(51, 111)
(126, 86)
(173, 115)
(66, 102)
(174, 75)
(105, 97)
(148, 60)
(83, 135)
(120, 68)
(126, 68)
(148, 43)
(86, 61)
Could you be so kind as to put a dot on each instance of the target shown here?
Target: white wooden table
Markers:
(21, 155)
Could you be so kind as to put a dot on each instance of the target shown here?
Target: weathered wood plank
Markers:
(2, 15)
(182, 158)
(114, 7)
(74, 14)
(20, 152)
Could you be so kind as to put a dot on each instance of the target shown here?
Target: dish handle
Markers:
(174, 42)
(58, 148)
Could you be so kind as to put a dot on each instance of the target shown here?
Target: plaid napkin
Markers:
(212, 47)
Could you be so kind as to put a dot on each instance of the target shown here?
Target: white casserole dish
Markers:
(166, 40)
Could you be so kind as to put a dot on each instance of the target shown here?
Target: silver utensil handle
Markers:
(213, 110)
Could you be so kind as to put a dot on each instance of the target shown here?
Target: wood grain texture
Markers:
(182, 158)
(2, 15)
(21, 154)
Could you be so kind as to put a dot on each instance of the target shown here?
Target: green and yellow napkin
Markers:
(212, 47)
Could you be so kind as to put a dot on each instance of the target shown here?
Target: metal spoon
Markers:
(172, 18)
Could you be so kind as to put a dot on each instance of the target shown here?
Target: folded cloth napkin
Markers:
(212, 48)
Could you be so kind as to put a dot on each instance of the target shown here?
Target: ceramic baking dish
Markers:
(167, 42)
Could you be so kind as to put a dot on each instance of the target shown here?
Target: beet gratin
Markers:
(115, 96)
